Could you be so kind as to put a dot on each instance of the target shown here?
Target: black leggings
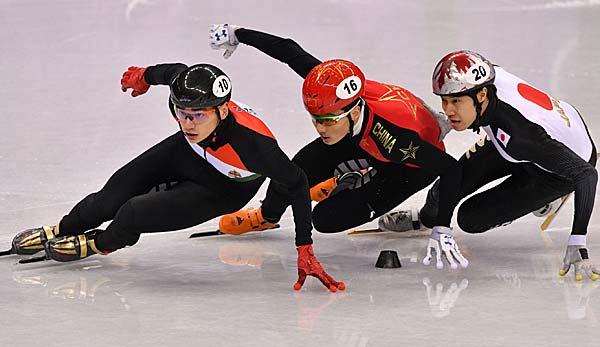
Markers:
(197, 193)
(352, 207)
(526, 189)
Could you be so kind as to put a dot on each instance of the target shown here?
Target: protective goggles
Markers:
(196, 116)
(330, 119)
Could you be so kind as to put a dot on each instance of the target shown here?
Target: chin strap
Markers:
(491, 97)
(476, 125)
(212, 140)
(351, 129)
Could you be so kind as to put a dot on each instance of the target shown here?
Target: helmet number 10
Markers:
(221, 86)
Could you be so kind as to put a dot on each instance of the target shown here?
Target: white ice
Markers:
(66, 126)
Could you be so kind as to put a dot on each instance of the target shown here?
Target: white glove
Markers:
(442, 241)
(443, 121)
(222, 36)
(578, 256)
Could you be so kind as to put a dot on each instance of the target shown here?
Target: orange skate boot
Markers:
(244, 221)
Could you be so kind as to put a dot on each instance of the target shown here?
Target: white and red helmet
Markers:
(461, 72)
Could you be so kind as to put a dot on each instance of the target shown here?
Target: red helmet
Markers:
(331, 86)
(461, 72)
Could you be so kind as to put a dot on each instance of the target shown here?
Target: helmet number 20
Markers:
(479, 72)
(348, 88)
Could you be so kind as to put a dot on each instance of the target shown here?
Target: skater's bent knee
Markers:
(470, 223)
(323, 225)
(124, 227)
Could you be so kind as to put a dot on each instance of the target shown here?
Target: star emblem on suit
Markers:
(410, 152)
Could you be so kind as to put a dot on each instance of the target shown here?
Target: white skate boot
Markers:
(400, 221)
(548, 208)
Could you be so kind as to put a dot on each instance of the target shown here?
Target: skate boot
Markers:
(547, 209)
(31, 241)
(70, 248)
(244, 221)
(400, 221)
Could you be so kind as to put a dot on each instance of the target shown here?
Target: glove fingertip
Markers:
(342, 285)
(439, 265)
(595, 277)
(332, 288)
(578, 277)
(297, 286)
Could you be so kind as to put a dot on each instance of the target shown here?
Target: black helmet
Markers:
(200, 86)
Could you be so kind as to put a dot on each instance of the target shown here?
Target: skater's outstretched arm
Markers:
(287, 51)
(139, 79)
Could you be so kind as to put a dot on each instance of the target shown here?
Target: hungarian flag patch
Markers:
(502, 136)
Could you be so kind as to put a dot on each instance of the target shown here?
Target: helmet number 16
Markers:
(348, 88)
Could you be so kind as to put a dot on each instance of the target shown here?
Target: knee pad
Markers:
(427, 218)
(322, 221)
(123, 226)
(468, 222)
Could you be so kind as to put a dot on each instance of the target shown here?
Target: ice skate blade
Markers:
(218, 232)
(32, 260)
(407, 234)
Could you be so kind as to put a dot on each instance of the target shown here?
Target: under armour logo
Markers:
(447, 240)
(223, 33)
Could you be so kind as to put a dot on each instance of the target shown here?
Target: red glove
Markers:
(308, 265)
(134, 78)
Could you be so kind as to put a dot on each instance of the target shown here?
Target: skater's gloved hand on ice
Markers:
(308, 265)
(134, 78)
(442, 242)
(577, 256)
(222, 36)
(442, 120)
(444, 124)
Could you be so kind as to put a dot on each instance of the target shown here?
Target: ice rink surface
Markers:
(66, 126)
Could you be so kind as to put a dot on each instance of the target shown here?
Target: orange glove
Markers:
(322, 190)
(308, 265)
(134, 78)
